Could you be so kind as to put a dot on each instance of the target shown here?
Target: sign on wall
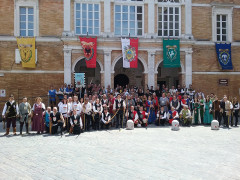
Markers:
(2, 93)
(223, 82)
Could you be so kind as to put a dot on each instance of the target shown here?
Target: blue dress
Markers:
(152, 116)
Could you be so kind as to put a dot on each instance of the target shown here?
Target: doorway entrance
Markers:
(121, 80)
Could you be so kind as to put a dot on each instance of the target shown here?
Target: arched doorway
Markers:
(168, 76)
(135, 75)
(121, 80)
(92, 75)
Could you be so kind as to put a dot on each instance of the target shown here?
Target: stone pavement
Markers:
(156, 153)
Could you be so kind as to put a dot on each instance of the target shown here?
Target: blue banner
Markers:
(224, 56)
(79, 79)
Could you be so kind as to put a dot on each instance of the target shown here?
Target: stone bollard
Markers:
(214, 125)
(130, 125)
(175, 125)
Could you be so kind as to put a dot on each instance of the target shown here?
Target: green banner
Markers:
(171, 53)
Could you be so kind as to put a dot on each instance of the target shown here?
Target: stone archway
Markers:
(168, 76)
(136, 76)
(92, 75)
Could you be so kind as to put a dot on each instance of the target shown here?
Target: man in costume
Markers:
(105, 120)
(76, 123)
(24, 113)
(87, 110)
(57, 121)
(119, 107)
(10, 112)
(186, 117)
(132, 115)
(161, 117)
(143, 117)
(227, 111)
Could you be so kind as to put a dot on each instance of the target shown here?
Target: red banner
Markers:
(89, 46)
(134, 62)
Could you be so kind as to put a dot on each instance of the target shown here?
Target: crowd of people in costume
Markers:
(76, 110)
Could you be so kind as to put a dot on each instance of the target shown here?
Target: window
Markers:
(87, 19)
(221, 27)
(26, 21)
(222, 23)
(128, 19)
(169, 21)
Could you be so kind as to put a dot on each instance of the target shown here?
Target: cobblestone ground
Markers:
(155, 153)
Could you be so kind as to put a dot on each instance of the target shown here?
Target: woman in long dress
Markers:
(208, 115)
(196, 112)
(37, 114)
(151, 110)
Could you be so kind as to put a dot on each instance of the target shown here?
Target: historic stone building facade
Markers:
(57, 24)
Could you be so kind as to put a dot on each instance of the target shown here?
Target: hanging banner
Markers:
(130, 53)
(89, 46)
(79, 79)
(224, 56)
(26, 48)
(171, 53)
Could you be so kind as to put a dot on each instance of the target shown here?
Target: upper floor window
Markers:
(222, 24)
(221, 27)
(87, 19)
(26, 21)
(169, 21)
(128, 20)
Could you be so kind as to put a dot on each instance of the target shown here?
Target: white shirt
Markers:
(119, 100)
(5, 108)
(80, 120)
(43, 106)
(87, 108)
(77, 106)
(95, 110)
(103, 120)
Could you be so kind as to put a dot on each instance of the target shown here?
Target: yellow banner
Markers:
(26, 48)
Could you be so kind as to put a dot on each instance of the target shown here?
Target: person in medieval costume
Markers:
(196, 112)
(143, 117)
(105, 119)
(216, 109)
(201, 101)
(175, 103)
(65, 110)
(227, 111)
(163, 101)
(10, 112)
(172, 115)
(87, 110)
(24, 113)
(235, 111)
(186, 117)
(76, 123)
(161, 117)
(119, 107)
(57, 120)
(37, 116)
(208, 113)
(97, 110)
(133, 115)
(76, 105)
(150, 110)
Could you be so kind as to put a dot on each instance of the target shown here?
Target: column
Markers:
(151, 65)
(188, 19)
(67, 66)
(107, 68)
(107, 17)
(151, 18)
(67, 18)
(188, 67)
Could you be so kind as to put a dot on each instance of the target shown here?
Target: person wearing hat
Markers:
(186, 117)
(10, 112)
(119, 107)
(24, 113)
(106, 118)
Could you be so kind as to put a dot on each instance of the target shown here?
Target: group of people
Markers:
(96, 107)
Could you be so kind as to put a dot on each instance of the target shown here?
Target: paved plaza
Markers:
(153, 153)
